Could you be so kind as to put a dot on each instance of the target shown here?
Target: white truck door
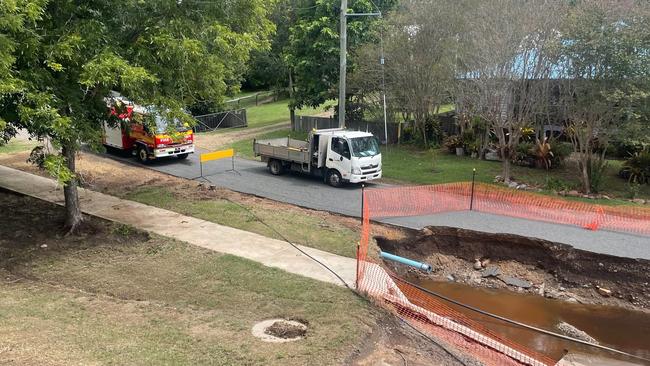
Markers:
(338, 157)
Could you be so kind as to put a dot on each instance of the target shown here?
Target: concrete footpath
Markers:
(219, 238)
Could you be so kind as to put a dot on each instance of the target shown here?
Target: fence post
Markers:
(471, 201)
(363, 195)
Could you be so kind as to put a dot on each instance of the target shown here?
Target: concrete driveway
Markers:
(252, 177)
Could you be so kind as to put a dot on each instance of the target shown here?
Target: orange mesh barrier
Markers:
(428, 200)
(431, 315)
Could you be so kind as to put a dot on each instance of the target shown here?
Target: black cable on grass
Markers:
(292, 244)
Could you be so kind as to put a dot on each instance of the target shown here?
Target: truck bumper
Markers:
(173, 151)
(353, 178)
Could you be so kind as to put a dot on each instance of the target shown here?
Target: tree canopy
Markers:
(61, 58)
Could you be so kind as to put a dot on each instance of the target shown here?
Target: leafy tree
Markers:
(510, 48)
(313, 50)
(605, 78)
(63, 57)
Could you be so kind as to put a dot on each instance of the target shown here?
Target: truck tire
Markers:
(142, 154)
(275, 167)
(334, 178)
(182, 156)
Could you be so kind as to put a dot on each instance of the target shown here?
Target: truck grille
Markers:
(369, 169)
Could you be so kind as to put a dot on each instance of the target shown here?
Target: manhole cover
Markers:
(279, 330)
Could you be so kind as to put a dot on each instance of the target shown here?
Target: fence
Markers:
(308, 123)
(431, 315)
(254, 99)
(227, 119)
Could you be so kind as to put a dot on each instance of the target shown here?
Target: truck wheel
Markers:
(142, 154)
(334, 178)
(182, 156)
(275, 166)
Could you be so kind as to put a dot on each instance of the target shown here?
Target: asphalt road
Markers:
(252, 177)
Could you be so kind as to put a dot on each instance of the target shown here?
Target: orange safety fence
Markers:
(429, 200)
(431, 315)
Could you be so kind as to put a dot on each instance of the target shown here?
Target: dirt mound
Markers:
(286, 330)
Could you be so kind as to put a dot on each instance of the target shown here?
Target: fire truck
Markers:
(146, 141)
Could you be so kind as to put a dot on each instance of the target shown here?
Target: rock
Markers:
(541, 289)
(600, 264)
(640, 201)
(477, 265)
(605, 197)
(426, 232)
(573, 193)
(485, 262)
(491, 272)
(604, 292)
(43, 246)
(498, 179)
(574, 332)
(451, 278)
(213, 187)
(493, 156)
(512, 281)
(522, 186)
(562, 289)
(512, 185)
(562, 193)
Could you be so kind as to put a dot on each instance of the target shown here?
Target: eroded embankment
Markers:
(553, 270)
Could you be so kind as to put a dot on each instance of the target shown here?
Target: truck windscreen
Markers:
(364, 146)
(162, 125)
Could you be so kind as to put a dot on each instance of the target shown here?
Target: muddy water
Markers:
(625, 330)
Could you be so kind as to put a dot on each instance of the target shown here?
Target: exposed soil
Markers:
(286, 330)
(554, 270)
(392, 342)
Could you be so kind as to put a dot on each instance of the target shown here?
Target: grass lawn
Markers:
(411, 165)
(276, 112)
(297, 227)
(117, 296)
(14, 146)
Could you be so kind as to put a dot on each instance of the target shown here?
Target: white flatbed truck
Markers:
(337, 155)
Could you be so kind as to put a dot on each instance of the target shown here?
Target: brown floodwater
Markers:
(614, 327)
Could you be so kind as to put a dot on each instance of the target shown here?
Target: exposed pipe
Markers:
(409, 262)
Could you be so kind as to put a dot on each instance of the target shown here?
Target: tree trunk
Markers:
(505, 164)
(73, 216)
(584, 167)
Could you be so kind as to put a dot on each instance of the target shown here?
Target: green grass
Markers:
(115, 297)
(244, 148)
(277, 112)
(14, 146)
(407, 164)
(299, 228)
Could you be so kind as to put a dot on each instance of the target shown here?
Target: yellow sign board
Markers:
(216, 155)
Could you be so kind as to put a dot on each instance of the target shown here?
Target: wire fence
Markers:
(226, 119)
(431, 315)
(480, 197)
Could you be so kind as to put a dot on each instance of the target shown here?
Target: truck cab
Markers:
(347, 156)
(337, 155)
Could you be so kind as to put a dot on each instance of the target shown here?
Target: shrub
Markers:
(524, 154)
(452, 142)
(561, 150)
(636, 169)
(556, 184)
(624, 148)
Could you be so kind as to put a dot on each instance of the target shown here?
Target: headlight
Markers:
(356, 171)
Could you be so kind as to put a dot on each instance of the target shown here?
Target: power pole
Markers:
(343, 61)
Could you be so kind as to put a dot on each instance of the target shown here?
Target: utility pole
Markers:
(343, 60)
